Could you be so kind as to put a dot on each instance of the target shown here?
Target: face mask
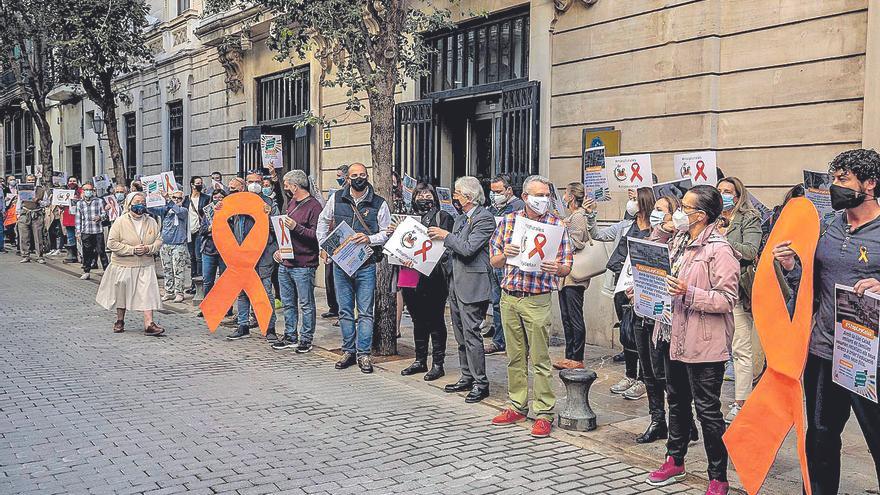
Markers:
(254, 187)
(457, 204)
(681, 221)
(88, 193)
(12, 183)
(198, 187)
(424, 205)
(632, 207)
(267, 191)
(657, 218)
(138, 209)
(340, 181)
(359, 183)
(498, 199)
(120, 196)
(727, 201)
(71, 185)
(844, 198)
(538, 204)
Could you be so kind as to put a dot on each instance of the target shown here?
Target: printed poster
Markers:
(856, 322)
(595, 178)
(766, 213)
(102, 182)
(282, 234)
(537, 242)
(346, 254)
(169, 184)
(408, 187)
(625, 280)
(153, 188)
(410, 242)
(817, 188)
(62, 197)
(700, 166)
(270, 149)
(650, 266)
(445, 197)
(26, 192)
(115, 208)
(629, 171)
(556, 205)
(676, 188)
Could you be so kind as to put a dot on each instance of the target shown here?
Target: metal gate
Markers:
(416, 151)
(520, 118)
(295, 147)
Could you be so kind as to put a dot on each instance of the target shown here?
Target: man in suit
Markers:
(469, 286)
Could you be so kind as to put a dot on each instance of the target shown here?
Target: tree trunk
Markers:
(113, 140)
(45, 132)
(382, 141)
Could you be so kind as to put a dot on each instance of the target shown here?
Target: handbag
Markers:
(589, 261)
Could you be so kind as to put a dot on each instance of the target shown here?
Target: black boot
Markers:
(657, 430)
(416, 367)
(435, 373)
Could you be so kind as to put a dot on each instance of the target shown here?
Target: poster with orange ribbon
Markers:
(537, 242)
(241, 260)
(776, 405)
(410, 243)
(282, 234)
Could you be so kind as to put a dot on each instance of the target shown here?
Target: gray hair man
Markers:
(469, 286)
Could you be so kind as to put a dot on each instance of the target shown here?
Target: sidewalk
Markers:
(619, 420)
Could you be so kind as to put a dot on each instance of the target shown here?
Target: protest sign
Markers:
(169, 184)
(408, 186)
(285, 243)
(153, 188)
(675, 188)
(26, 192)
(650, 266)
(766, 213)
(271, 150)
(115, 208)
(101, 182)
(348, 255)
(59, 178)
(410, 242)
(594, 177)
(625, 280)
(62, 197)
(854, 360)
(701, 167)
(817, 188)
(629, 171)
(537, 242)
(444, 195)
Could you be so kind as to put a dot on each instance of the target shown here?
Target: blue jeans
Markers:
(71, 236)
(498, 336)
(359, 290)
(244, 306)
(212, 267)
(2, 235)
(298, 285)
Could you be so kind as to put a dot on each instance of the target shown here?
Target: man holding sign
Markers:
(534, 264)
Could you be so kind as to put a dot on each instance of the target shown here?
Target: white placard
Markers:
(854, 359)
(408, 187)
(62, 197)
(410, 242)
(348, 255)
(271, 150)
(445, 197)
(169, 184)
(282, 234)
(537, 242)
(629, 171)
(153, 188)
(700, 166)
(101, 182)
(625, 280)
(650, 267)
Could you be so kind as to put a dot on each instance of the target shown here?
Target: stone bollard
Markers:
(576, 413)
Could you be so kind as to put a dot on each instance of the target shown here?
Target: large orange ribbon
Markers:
(777, 403)
(240, 261)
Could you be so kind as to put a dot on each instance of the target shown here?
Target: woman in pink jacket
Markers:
(704, 286)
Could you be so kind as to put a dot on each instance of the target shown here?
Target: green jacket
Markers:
(744, 235)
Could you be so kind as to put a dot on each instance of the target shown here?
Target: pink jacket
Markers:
(702, 319)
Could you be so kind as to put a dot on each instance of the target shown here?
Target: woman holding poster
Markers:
(704, 286)
(426, 297)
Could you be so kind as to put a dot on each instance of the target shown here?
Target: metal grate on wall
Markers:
(284, 96)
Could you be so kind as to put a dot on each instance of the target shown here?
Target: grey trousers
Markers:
(466, 320)
(30, 232)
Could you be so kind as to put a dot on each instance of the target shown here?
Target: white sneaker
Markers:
(636, 392)
(178, 298)
(168, 297)
(734, 410)
(85, 276)
(623, 385)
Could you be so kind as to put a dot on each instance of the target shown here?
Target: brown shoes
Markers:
(119, 326)
(154, 330)
(568, 364)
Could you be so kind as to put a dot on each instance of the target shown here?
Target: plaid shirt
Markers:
(86, 211)
(531, 282)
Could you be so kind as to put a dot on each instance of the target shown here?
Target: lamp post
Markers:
(98, 127)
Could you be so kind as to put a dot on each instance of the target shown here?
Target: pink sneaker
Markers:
(668, 474)
(718, 488)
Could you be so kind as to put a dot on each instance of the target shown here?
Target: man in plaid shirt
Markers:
(525, 310)
(90, 213)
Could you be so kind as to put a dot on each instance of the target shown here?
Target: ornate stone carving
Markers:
(562, 6)
(179, 36)
(155, 47)
(172, 86)
(229, 56)
(125, 98)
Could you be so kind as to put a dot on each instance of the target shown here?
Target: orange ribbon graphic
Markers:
(776, 404)
(635, 167)
(540, 241)
(426, 246)
(283, 230)
(701, 170)
(240, 261)
(168, 185)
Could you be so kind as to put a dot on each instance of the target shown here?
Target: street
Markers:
(88, 411)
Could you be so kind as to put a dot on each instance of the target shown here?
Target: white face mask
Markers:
(657, 218)
(498, 199)
(681, 220)
(632, 207)
(255, 187)
(538, 204)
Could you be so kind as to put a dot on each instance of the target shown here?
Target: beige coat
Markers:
(579, 234)
(124, 237)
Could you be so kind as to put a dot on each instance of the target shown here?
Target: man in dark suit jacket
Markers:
(469, 284)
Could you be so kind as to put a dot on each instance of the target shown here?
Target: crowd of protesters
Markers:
(714, 235)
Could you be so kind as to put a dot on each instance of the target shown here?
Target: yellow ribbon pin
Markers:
(863, 254)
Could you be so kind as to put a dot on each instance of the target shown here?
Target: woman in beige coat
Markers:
(130, 281)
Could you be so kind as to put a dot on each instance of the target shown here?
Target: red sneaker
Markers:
(508, 417)
(718, 488)
(542, 428)
(668, 474)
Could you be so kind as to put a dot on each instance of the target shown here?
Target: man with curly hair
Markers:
(848, 253)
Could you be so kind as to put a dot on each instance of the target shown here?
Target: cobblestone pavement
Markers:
(83, 410)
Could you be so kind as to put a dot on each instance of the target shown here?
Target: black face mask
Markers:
(359, 183)
(457, 204)
(198, 187)
(424, 205)
(844, 198)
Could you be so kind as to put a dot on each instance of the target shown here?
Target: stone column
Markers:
(871, 116)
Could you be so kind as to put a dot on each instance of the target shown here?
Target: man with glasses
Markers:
(368, 215)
